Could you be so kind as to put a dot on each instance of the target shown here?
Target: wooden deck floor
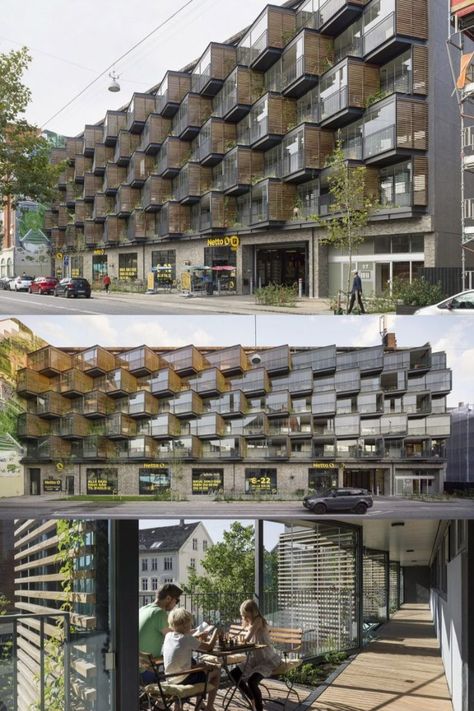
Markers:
(399, 671)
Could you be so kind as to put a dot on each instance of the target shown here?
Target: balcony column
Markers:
(359, 587)
(468, 606)
(259, 553)
(387, 585)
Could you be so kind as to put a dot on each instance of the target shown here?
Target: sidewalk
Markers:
(235, 304)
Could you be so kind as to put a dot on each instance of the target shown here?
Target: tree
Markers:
(25, 170)
(351, 206)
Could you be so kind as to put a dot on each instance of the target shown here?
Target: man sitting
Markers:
(153, 624)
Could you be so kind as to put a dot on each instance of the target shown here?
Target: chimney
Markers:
(390, 340)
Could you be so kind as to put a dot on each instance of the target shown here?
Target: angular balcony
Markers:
(126, 200)
(57, 238)
(73, 192)
(241, 167)
(393, 129)
(230, 361)
(139, 168)
(97, 448)
(126, 144)
(115, 230)
(185, 404)
(175, 450)
(193, 112)
(141, 226)
(388, 34)
(156, 129)
(253, 382)
(49, 361)
(74, 148)
(117, 383)
(164, 426)
(155, 192)
(231, 404)
(31, 426)
(172, 156)
(303, 61)
(224, 448)
(139, 108)
(114, 122)
(103, 206)
(171, 92)
(344, 91)
(241, 90)
(272, 202)
(208, 426)
(174, 220)
(215, 213)
(269, 120)
(264, 42)
(212, 68)
(82, 165)
(192, 181)
(51, 449)
(92, 137)
(96, 404)
(278, 403)
(102, 155)
(63, 217)
(66, 176)
(74, 238)
(120, 426)
(92, 185)
(51, 405)
(73, 426)
(208, 382)
(336, 15)
(95, 361)
(305, 151)
(273, 448)
(215, 139)
(114, 176)
(74, 383)
(165, 383)
(31, 383)
(141, 404)
(185, 361)
(93, 233)
(58, 155)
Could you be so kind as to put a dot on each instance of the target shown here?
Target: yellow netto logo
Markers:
(232, 241)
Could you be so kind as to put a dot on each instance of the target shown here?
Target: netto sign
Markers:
(232, 241)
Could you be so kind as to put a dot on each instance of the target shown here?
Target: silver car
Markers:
(461, 304)
(338, 500)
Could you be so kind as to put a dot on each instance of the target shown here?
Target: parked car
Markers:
(5, 283)
(461, 304)
(43, 285)
(21, 283)
(357, 500)
(76, 286)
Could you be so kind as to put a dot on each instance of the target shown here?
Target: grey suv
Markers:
(357, 500)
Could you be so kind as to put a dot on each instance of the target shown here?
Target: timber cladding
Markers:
(412, 124)
(412, 18)
(318, 52)
(420, 181)
(363, 82)
(114, 122)
(281, 26)
(420, 69)
(281, 114)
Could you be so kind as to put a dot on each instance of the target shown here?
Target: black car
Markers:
(73, 287)
(357, 500)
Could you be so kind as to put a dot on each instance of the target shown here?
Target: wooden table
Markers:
(224, 656)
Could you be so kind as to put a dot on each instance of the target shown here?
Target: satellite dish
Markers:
(114, 86)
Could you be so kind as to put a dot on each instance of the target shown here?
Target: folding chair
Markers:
(164, 693)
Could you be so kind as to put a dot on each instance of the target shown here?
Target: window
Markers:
(154, 563)
(154, 583)
(144, 564)
(195, 544)
(397, 75)
(128, 266)
(395, 185)
(192, 563)
(204, 545)
(168, 563)
(144, 583)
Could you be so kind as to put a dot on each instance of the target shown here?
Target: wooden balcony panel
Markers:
(193, 180)
(74, 383)
(348, 104)
(126, 200)
(73, 192)
(155, 192)
(208, 382)
(92, 136)
(103, 206)
(156, 129)
(164, 426)
(92, 185)
(412, 124)
(114, 122)
(217, 212)
(102, 155)
(241, 167)
(281, 199)
(185, 361)
(114, 176)
(173, 154)
(140, 107)
(240, 91)
(115, 230)
(82, 164)
(230, 360)
(171, 92)
(73, 426)
(120, 426)
(139, 168)
(31, 383)
(63, 217)
(174, 220)
(420, 181)
(281, 114)
(31, 426)
(93, 232)
(126, 144)
(212, 68)
(165, 383)
(95, 361)
(266, 47)
(187, 404)
(139, 361)
(412, 19)
(141, 404)
(96, 404)
(193, 112)
(143, 447)
(141, 226)
(74, 148)
(300, 74)
(118, 382)
(58, 155)
(52, 449)
(98, 448)
(315, 145)
(336, 15)
(82, 212)
(216, 138)
(51, 405)
(49, 361)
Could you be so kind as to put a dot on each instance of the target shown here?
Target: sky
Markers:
(452, 335)
(73, 41)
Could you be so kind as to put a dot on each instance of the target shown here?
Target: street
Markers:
(384, 508)
(119, 303)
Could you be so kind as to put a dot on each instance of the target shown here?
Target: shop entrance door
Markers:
(99, 267)
(70, 485)
(35, 481)
(283, 266)
(370, 479)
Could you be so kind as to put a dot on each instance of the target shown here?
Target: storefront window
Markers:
(207, 481)
(153, 480)
(99, 266)
(77, 266)
(103, 481)
(395, 184)
(261, 480)
(397, 75)
(163, 264)
(320, 478)
(128, 266)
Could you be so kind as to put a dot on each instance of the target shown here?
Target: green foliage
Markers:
(25, 170)
(418, 293)
(277, 295)
(314, 674)
(9, 417)
(377, 96)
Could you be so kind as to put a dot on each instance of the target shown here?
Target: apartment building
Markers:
(460, 449)
(200, 421)
(166, 555)
(222, 164)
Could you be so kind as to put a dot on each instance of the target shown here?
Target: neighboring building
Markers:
(7, 573)
(26, 247)
(460, 449)
(196, 421)
(222, 164)
(166, 555)
(12, 478)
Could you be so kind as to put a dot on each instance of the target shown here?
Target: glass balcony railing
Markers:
(294, 71)
(333, 103)
(380, 141)
(379, 34)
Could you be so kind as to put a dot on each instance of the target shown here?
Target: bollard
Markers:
(300, 287)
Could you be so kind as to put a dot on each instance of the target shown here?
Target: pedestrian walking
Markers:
(106, 282)
(356, 292)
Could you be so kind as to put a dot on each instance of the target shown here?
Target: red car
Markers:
(43, 285)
